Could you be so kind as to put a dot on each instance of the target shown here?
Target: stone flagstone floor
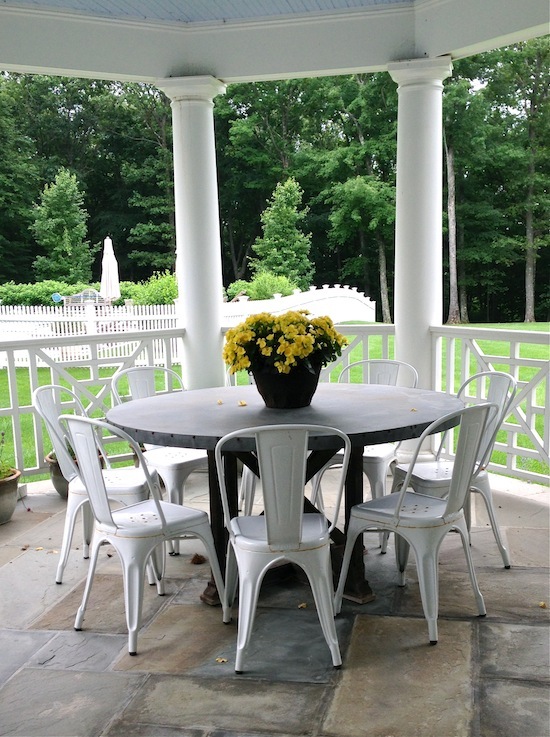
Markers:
(487, 677)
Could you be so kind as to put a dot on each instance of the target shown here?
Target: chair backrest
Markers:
(84, 434)
(282, 452)
(473, 421)
(496, 387)
(51, 401)
(142, 381)
(381, 371)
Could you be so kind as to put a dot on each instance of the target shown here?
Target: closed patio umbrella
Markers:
(110, 286)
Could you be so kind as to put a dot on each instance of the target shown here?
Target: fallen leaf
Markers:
(542, 604)
(221, 660)
(39, 548)
(197, 559)
(25, 547)
(242, 403)
(413, 409)
(303, 605)
(220, 401)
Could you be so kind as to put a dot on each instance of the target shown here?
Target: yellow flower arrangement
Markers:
(278, 343)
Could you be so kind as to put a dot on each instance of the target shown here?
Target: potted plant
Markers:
(59, 482)
(9, 481)
(284, 353)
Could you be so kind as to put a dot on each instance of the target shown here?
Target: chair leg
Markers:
(396, 486)
(247, 491)
(249, 587)
(174, 482)
(94, 553)
(402, 549)
(155, 568)
(134, 574)
(426, 562)
(323, 594)
(376, 471)
(426, 555)
(483, 487)
(463, 530)
(231, 579)
(74, 503)
(204, 533)
(354, 529)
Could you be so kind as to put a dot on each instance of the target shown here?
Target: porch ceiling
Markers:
(245, 40)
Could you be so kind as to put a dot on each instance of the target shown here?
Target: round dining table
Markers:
(368, 413)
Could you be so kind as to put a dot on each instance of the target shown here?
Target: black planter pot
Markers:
(287, 391)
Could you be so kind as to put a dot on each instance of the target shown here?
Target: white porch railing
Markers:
(87, 362)
(460, 352)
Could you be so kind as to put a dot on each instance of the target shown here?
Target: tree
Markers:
(60, 229)
(18, 187)
(518, 82)
(284, 248)
(363, 208)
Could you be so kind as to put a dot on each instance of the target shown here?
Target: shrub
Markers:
(161, 289)
(37, 294)
(263, 286)
(237, 287)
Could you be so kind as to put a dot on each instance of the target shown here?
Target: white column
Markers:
(418, 228)
(198, 243)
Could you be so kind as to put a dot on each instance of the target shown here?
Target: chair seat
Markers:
(250, 533)
(142, 520)
(175, 458)
(428, 510)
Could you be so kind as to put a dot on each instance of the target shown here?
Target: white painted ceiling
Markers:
(202, 11)
(247, 40)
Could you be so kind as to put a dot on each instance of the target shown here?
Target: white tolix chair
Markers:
(434, 477)
(136, 532)
(284, 532)
(421, 521)
(125, 485)
(377, 459)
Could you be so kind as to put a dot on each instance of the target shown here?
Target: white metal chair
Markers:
(420, 521)
(433, 477)
(173, 465)
(284, 532)
(125, 485)
(137, 532)
(377, 459)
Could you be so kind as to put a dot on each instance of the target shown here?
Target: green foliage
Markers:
(237, 287)
(263, 286)
(18, 180)
(284, 248)
(160, 289)
(39, 293)
(60, 228)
